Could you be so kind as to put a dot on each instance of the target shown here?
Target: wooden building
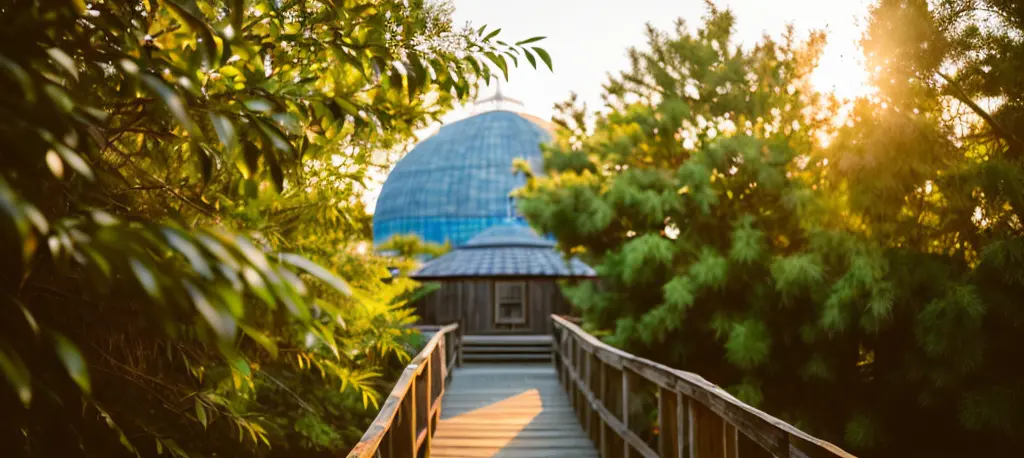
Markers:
(503, 281)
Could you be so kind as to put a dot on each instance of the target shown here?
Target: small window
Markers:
(510, 302)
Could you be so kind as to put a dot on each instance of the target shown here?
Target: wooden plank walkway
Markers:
(508, 411)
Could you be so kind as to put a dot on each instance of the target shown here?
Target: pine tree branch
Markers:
(1016, 145)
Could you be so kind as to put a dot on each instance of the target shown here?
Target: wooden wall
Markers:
(471, 303)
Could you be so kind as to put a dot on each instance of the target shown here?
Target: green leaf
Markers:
(127, 444)
(147, 279)
(258, 286)
(201, 412)
(73, 361)
(317, 271)
(529, 57)
(22, 77)
(264, 340)
(16, 373)
(529, 40)
(172, 100)
(205, 162)
(241, 366)
(544, 56)
(221, 321)
(225, 131)
(250, 160)
(75, 161)
(184, 246)
(500, 62)
(493, 34)
(55, 164)
(276, 172)
(274, 136)
(198, 26)
(64, 60)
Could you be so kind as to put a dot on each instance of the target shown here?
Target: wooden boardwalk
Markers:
(518, 409)
(508, 411)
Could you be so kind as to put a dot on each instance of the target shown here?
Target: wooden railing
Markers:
(615, 395)
(409, 416)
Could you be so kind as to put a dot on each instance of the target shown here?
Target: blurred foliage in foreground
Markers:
(868, 291)
(180, 184)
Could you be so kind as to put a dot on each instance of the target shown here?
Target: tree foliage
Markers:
(180, 190)
(861, 290)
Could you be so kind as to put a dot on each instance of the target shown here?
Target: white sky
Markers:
(588, 39)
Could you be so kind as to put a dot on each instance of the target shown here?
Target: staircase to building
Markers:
(507, 349)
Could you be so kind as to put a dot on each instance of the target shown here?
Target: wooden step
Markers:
(545, 443)
(509, 452)
(506, 349)
(472, 357)
(538, 339)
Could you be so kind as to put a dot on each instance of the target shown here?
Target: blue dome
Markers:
(456, 183)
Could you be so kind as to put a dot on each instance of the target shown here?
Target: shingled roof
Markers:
(507, 250)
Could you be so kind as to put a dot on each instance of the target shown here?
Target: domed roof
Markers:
(507, 250)
(456, 183)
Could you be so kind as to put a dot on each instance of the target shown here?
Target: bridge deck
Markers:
(508, 411)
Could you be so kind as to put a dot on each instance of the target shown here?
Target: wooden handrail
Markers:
(696, 418)
(408, 418)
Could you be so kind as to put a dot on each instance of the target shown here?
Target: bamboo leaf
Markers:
(529, 40)
(201, 412)
(195, 23)
(65, 61)
(500, 62)
(317, 271)
(225, 131)
(172, 100)
(544, 56)
(73, 361)
(16, 373)
(529, 57)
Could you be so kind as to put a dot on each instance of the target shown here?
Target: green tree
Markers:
(932, 169)
(867, 290)
(695, 195)
(180, 185)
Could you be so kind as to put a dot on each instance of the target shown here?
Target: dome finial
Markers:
(498, 98)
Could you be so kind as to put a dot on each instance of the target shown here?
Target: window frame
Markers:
(498, 285)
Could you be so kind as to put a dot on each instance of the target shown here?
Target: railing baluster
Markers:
(668, 437)
(731, 441)
(602, 396)
(587, 411)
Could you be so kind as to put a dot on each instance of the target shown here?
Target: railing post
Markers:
(458, 349)
(602, 382)
(625, 409)
(429, 394)
(554, 344)
(585, 357)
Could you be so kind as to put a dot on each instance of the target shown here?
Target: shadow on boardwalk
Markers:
(508, 411)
